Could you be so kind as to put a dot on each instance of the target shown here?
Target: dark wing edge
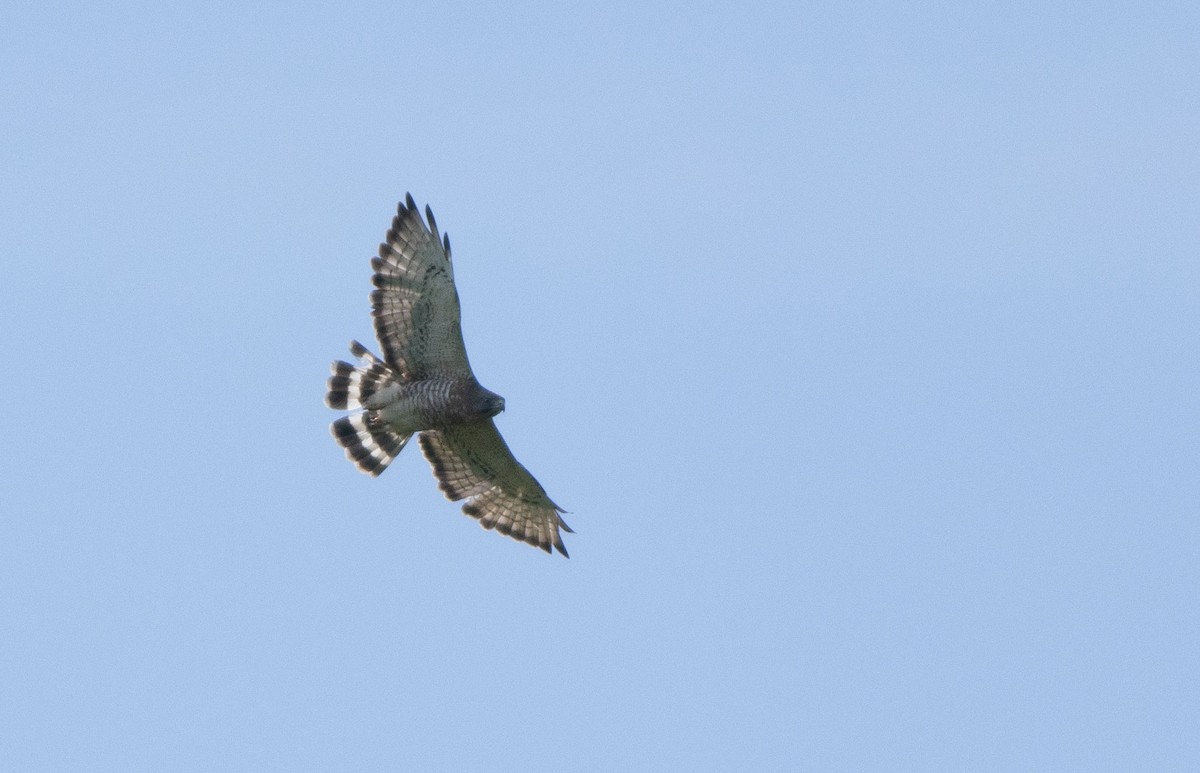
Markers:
(472, 462)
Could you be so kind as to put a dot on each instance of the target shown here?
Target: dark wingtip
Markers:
(408, 201)
(432, 222)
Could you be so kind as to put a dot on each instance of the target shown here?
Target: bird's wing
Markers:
(471, 461)
(415, 305)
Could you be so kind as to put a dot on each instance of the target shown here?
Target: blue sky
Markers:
(859, 340)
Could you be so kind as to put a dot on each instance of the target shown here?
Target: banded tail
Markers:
(369, 443)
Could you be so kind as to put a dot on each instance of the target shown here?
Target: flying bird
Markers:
(424, 386)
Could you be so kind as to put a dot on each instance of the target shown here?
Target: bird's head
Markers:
(490, 403)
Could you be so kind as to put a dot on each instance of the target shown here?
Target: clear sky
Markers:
(859, 340)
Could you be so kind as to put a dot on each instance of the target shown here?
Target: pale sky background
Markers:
(860, 340)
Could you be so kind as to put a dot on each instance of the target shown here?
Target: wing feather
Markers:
(472, 461)
(415, 306)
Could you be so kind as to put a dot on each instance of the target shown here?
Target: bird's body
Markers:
(425, 385)
(432, 403)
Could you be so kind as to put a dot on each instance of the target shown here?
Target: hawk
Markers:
(424, 386)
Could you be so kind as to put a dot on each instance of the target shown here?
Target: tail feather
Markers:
(368, 441)
(351, 386)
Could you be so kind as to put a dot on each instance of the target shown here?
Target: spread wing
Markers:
(471, 461)
(415, 305)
